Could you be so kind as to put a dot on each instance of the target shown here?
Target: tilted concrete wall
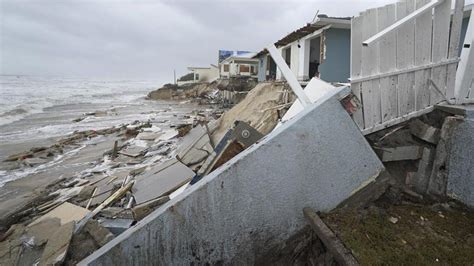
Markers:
(235, 214)
(461, 160)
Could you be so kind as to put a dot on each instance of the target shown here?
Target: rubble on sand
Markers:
(74, 216)
(262, 109)
(141, 171)
(227, 91)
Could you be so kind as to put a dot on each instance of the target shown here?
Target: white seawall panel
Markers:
(235, 214)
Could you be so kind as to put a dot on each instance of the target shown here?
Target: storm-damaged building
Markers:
(238, 64)
(318, 49)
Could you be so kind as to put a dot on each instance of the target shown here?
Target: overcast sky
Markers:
(145, 38)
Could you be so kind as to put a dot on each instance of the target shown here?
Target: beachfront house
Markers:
(319, 49)
(237, 64)
(200, 74)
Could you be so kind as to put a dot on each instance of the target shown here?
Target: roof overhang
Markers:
(240, 59)
(334, 22)
(197, 68)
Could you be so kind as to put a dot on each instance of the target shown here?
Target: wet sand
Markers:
(19, 194)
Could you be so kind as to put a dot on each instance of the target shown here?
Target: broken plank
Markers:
(117, 195)
(334, 245)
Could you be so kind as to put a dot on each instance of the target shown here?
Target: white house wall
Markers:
(300, 56)
(295, 51)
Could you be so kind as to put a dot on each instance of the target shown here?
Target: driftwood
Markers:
(117, 195)
(341, 254)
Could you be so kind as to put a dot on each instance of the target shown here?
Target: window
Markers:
(226, 68)
(253, 69)
(244, 69)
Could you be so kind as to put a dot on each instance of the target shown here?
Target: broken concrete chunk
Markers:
(425, 166)
(404, 153)
(196, 146)
(43, 230)
(116, 226)
(438, 179)
(100, 234)
(65, 212)
(160, 180)
(167, 135)
(56, 249)
(10, 246)
(425, 132)
(149, 135)
(133, 151)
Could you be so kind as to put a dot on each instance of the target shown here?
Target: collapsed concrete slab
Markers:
(237, 213)
(460, 162)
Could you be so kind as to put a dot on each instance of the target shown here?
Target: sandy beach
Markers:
(26, 181)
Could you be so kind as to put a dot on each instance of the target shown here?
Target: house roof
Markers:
(309, 28)
(194, 68)
(243, 57)
(298, 34)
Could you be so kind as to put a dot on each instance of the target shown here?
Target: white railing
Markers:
(404, 58)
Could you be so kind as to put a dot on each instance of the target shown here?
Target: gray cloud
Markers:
(145, 39)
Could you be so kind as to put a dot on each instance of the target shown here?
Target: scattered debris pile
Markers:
(413, 222)
(145, 168)
(41, 155)
(228, 91)
(262, 109)
(415, 152)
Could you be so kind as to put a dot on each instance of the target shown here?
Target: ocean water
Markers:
(21, 96)
(35, 111)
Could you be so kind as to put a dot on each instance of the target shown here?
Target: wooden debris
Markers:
(115, 150)
(334, 245)
(114, 197)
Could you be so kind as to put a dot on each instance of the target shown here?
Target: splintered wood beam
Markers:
(402, 21)
(289, 76)
(341, 254)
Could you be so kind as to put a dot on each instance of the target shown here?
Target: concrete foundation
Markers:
(255, 201)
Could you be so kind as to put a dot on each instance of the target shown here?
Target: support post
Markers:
(464, 74)
(289, 76)
(303, 53)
